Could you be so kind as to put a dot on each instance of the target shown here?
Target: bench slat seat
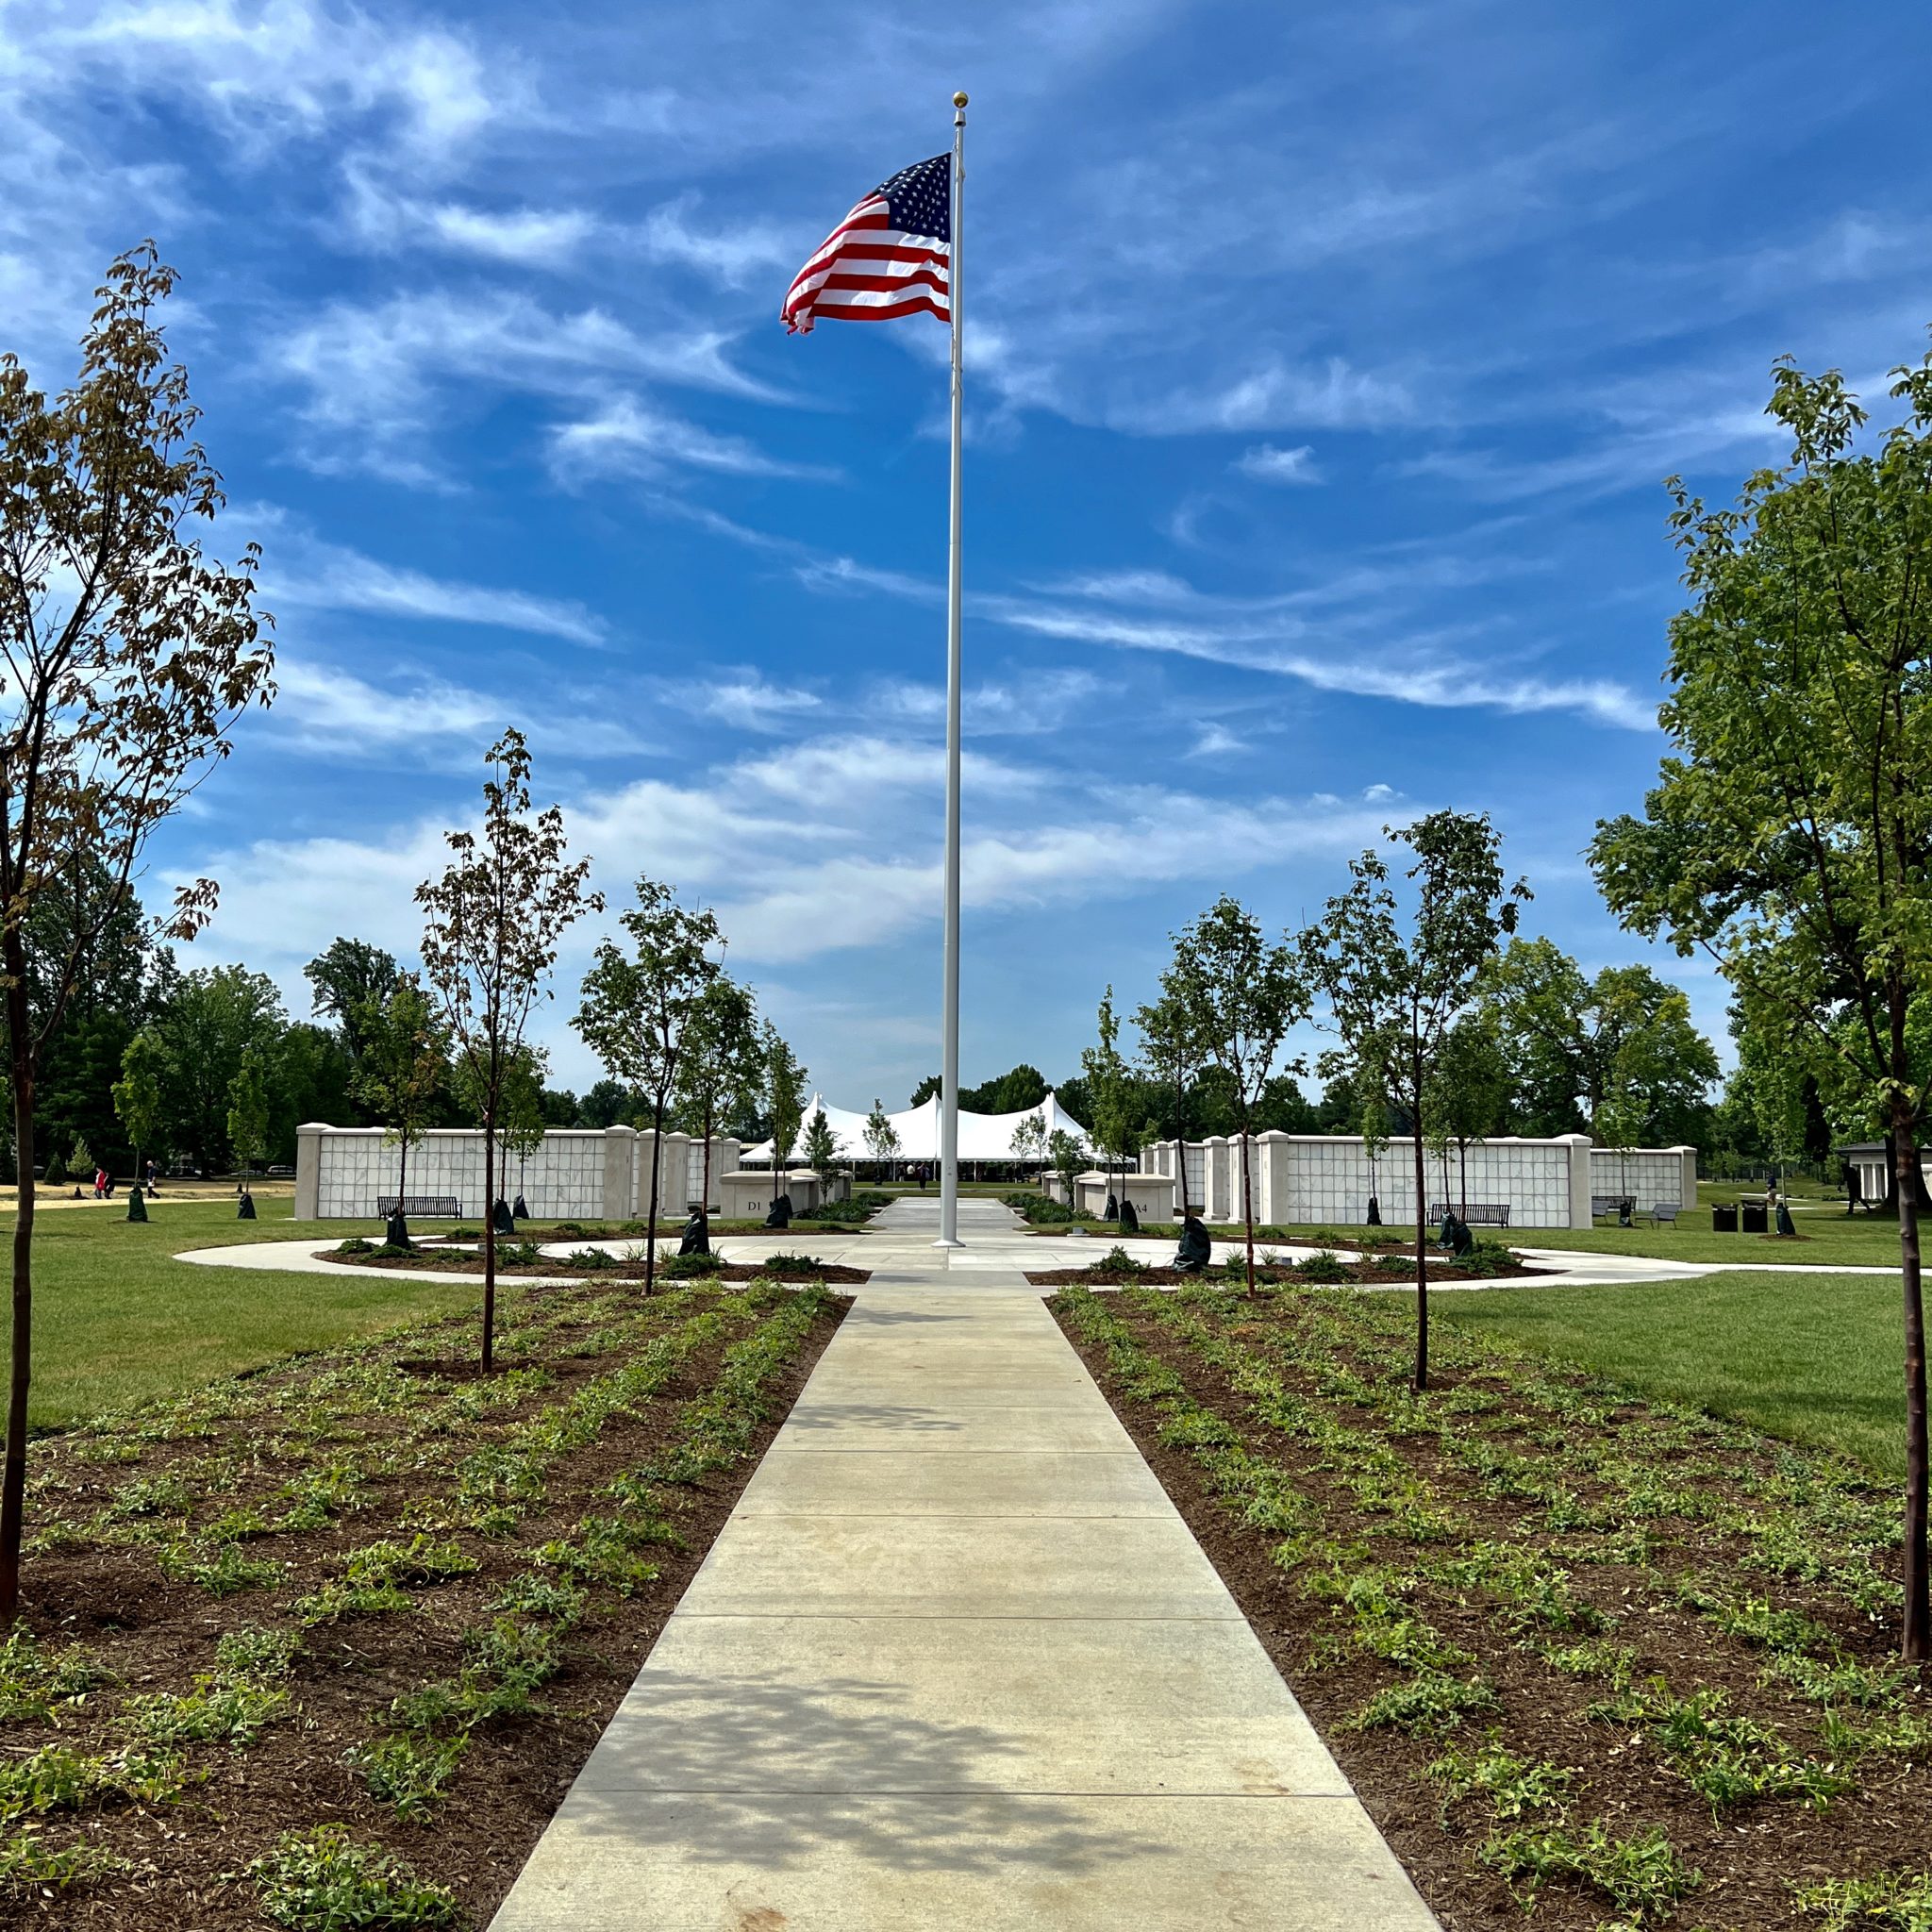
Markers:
(423, 1206)
(1474, 1213)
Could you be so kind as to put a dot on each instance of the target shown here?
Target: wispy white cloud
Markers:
(1267, 463)
(737, 844)
(389, 222)
(1216, 741)
(301, 570)
(1624, 456)
(744, 699)
(1041, 702)
(412, 718)
(267, 71)
(629, 437)
(375, 375)
(1420, 674)
(729, 249)
(1275, 395)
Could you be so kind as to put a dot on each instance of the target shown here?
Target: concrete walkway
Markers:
(955, 1662)
(1005, 1249)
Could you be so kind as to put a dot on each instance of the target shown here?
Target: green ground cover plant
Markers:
(450, 1580)
(324, 1881)
(1636, 1659)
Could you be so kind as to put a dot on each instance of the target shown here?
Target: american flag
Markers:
(889, 257)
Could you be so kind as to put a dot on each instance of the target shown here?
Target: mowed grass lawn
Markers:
(1816, 1358)
(1825, 1238)
(117, 1320)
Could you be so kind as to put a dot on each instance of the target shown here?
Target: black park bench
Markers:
(1475, 1214)
(418, 1206)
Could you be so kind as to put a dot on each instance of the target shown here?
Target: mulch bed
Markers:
(492, 1497)
(453, 1261)
(1662, 1609)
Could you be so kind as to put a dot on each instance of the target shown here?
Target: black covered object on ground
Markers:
(501, 1215)
(136, 1206)
(1196, 1249)
(780, 1215)
(697, 1236)
(246, 1211)
(1130, 1220)
(519, 1212)
(397, 1231)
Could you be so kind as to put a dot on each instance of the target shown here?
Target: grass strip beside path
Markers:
(1817, 1358)
(117, 1321)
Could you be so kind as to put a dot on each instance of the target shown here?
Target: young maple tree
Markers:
(1171, 1052)
(491, 924)
(1396, 992)
(1237, 998)
(638, 1006)
(719, 1066)
(129, 655)
(402, 1065)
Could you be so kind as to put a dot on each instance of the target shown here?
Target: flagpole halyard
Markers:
(949, 999)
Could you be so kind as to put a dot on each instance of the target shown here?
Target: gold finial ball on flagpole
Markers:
(959, 100)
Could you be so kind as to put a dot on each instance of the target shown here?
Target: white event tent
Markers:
(982, 1136)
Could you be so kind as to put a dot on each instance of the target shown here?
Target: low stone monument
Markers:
(748, 1193)
(1196, 1249)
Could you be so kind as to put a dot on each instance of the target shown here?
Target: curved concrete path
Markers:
(954, 1661)
(1003, 1246)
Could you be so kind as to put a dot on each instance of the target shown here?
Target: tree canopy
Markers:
(1789, 837)
(1617, 1057)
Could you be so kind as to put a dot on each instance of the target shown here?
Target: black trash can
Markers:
(1757, 1218)
(1724, 1218)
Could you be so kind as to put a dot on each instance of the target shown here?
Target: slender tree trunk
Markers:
(1916, 1644)
(13, 1476)
(1180, 1141)
(403, 1180)
(705, 1206)
(1462, 1176)
(1248, 1205)
(657, 1189)
(489, 1244)
(1421, 1256)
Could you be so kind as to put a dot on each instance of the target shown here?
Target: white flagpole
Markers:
(949, 1065)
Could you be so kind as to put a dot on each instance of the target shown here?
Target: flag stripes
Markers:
(889, 256)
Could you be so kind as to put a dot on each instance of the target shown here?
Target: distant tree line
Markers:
(1545, 1049)
(210, 1034)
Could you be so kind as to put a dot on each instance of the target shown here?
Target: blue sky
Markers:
(1323, 366)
